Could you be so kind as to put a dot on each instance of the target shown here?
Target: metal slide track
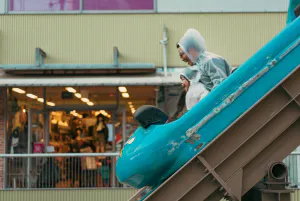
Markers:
(238, 158)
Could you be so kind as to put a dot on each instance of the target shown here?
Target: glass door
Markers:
(36, 144)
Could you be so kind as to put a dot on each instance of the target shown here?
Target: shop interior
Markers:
(91, 119)
(57, 116)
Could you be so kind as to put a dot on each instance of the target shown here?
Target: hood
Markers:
(192, 44)
(188, 73)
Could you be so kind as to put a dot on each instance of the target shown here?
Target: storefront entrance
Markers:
(60, 120)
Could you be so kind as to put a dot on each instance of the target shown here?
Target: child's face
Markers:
(185, 83)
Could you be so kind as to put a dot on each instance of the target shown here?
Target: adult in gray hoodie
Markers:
(211, 69)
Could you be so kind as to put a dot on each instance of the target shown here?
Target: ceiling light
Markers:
(24, 110)
(31, 96)
(70, 89)
(20, 91)
(129, 103)
(103, 112)
(78, 95)
(122, 89)
(50, 103)
(90, 103)
(131, 106)
(85, 100)
(125, 95)
(40, 100)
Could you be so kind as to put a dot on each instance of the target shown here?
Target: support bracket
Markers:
(219, 179)
(116, 57)
(40, 56)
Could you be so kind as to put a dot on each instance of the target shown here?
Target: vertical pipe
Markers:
(164, 42)
(114, 150)
(28, 145)
(124, 126)
(5, 137)
(117, 99)
(114, 118)
(46, 119)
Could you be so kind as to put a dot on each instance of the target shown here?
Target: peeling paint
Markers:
(198, 146)
(192, 131)
(130, 141)
(174, 145)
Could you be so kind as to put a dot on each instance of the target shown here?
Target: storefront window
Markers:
(68, 120)
(44, 5)
(74, 5)
(20, 101)
(118, 5)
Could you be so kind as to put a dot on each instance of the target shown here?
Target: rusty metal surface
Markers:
(240, 155)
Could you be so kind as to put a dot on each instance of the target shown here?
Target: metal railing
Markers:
(81, 170)
(78, 170)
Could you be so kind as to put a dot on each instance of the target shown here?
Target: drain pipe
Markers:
(165, 42)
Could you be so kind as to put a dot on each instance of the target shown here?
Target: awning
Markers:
(128, 80)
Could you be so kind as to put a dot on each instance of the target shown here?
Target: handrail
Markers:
(56, 155)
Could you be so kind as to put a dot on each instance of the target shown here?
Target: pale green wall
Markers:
(89, 38)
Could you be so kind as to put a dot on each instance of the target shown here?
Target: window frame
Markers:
(82, 11)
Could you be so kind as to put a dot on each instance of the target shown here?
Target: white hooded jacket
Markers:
(196, 90)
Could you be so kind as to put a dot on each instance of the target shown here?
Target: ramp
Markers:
(238, 158)
(243, 129)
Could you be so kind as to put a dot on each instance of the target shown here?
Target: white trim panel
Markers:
(140, 80)
(3, 7)
(222, 6)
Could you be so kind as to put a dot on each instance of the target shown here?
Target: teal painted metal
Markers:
(151, 155)
(41, 55)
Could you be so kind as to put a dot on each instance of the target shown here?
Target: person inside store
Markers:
(101, 137)
(101, 134)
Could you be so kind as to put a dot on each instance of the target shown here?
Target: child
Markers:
(194, 91)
